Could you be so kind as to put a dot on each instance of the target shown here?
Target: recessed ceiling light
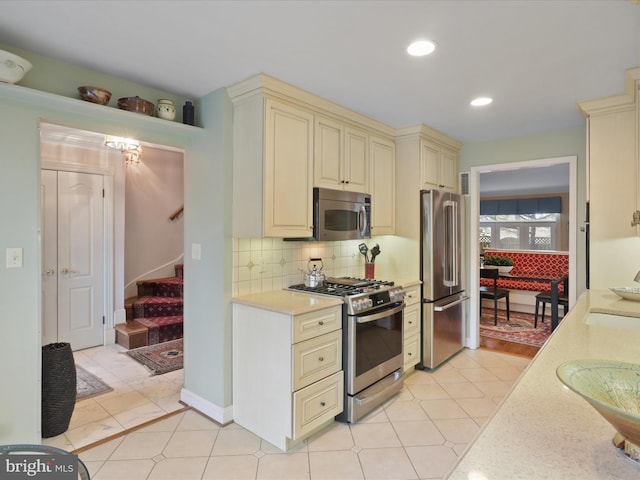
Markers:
(481, 101)
(421, 48)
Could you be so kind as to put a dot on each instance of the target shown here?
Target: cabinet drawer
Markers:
(312, 324)
(316, 358)
(316, 404)
(411, 320)
(412, 295)
(411, 351)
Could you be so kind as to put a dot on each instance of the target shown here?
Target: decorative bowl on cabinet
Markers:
(136, 104)
(12, 67)
(95, 95)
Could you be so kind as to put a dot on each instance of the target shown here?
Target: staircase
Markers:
(155, 315)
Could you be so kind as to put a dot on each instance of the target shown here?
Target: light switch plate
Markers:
(196, 251)
(14, 257)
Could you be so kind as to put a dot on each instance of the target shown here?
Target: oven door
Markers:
(374, 346)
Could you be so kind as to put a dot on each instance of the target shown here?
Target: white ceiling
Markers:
(525, 181)
(536, 58)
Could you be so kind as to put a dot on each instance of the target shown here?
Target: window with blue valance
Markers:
(521, 206)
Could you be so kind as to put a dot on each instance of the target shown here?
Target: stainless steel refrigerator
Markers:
(443, 296)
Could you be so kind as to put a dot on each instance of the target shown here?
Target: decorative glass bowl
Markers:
(613, 389)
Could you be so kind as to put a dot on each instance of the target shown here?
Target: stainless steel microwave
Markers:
(340, 215)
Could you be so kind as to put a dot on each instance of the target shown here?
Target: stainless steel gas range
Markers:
(372, 324)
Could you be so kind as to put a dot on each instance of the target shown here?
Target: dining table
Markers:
(554, 279)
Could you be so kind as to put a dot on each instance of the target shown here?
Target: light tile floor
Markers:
(136, 398)
(418, 434)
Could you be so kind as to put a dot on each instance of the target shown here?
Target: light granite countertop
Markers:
(288, 302)
(542, 430)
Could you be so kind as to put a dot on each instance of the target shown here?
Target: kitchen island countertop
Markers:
(288, 302)
(542, 430)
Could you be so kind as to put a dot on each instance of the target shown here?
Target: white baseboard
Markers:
(221, 415)
(109, 336)
(119, 316)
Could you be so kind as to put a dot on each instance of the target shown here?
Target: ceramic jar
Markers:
(166, 110)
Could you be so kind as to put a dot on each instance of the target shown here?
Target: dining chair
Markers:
(493, 293)
(544, 298)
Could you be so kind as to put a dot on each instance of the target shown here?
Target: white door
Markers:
(72, 258)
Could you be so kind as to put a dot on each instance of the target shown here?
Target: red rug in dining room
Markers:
(519, 329)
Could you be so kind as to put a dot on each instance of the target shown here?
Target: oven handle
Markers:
(449, 305)
(379, 315)
(397, 375)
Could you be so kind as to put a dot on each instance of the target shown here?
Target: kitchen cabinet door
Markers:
(383, 193)
(341, 160)
(438, 166)
(288, 192)
(329, 157)
(356, 160)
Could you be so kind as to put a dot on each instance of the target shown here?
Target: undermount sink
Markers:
(613, 389)
(612, 321)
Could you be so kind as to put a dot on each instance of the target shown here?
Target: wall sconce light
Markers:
(130, 147)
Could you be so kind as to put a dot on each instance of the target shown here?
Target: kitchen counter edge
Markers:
(544, 430)
(287, 302)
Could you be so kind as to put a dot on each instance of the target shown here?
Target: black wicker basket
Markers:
(58, 388)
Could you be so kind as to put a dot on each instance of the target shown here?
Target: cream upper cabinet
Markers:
(288, 168)
(613, 137)
(356, 155)
(438, 166)
(383, 193)
(273, 168)
(285, 142)
(341, 156)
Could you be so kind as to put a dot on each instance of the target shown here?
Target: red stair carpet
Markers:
(155, 315)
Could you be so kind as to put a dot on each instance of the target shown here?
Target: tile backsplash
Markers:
(266, 264)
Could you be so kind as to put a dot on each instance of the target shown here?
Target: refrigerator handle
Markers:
(451, 243)
(449, 305)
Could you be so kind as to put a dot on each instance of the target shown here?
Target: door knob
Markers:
(49, 272)
(66, 271)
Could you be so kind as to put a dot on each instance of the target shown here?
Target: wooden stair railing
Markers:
(177, 213)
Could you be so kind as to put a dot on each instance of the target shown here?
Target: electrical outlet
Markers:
(262, 265)
(14, 258)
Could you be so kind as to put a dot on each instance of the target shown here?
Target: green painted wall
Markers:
(556, 143)
(208, 176)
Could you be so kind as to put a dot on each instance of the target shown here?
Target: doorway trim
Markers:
(473, 337)
(100, 162)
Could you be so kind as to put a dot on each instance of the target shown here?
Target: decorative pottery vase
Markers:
(188, 112)
(166, 110)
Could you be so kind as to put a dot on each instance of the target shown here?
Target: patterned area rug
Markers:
(160, 358)
(518, 330)
(88, 385)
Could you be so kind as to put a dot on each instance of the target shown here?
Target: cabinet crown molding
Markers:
(417, 131)
(615, 103)
(267, 85)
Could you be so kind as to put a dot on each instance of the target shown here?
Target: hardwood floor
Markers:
(503, 346)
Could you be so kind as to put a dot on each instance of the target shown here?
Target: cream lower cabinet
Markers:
(287, 372)
(411, 327)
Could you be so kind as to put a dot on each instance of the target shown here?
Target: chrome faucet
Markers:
(637, 277)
